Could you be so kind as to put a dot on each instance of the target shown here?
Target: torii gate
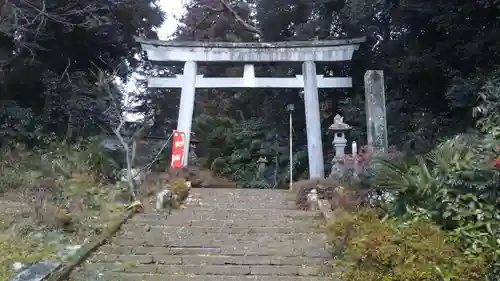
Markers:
(307, 52)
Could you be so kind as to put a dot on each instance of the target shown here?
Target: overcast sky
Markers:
(174, 9)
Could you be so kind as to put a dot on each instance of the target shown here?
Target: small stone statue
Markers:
(337, 170)
(165, 200)
(312, 200)
(261, 166)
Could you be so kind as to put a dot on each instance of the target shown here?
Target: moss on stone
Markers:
(22, 250)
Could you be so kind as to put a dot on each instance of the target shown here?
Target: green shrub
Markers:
(339, 195)
(378, 249)
(455, 185)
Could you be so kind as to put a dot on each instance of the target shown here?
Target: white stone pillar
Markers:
(186, 106)
(354, 148)
(313, 122)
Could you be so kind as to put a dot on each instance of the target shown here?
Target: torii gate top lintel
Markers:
(288, 51)
(281, 44)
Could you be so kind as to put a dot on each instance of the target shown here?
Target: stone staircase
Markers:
(221, 235)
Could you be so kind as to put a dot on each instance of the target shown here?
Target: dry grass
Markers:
(340, 196)
(199, 178)
(50, 199)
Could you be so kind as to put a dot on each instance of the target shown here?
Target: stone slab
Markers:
(137, 259)
(207, 269)
(112, 276)
(113, 249)
(37, 271)
(295, 238)
(225, 216)
(242, 249)
(254, 212)
(214, 259)
(247, 206)
(235, 230)
(173, 269)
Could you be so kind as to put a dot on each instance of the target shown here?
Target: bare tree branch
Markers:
(128, 154)
(127, 141)
(104, 81)
(245, 24)
(237, 17)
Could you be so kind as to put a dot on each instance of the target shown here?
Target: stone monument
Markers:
(376, 122)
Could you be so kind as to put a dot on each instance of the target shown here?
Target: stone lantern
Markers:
(339, 129)
(193, 142)
(261, 163)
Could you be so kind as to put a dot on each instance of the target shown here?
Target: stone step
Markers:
(185, 233)
(292, 213)
(226, 250)
(156, 250)
(201, 242)
(218, 239)
(259, 196)
(203, 269)
(268, 202)
(113, 276)
(154, 258)
(243, 199)
(226, 193)
(228, 214)
(166, 241)
(231, 222)
(232, 230)
(224, 223)
(175, 215)
(240, 205)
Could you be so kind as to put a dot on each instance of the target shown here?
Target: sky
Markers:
(174, 9)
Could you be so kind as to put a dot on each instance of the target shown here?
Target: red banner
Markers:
(177, 149)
